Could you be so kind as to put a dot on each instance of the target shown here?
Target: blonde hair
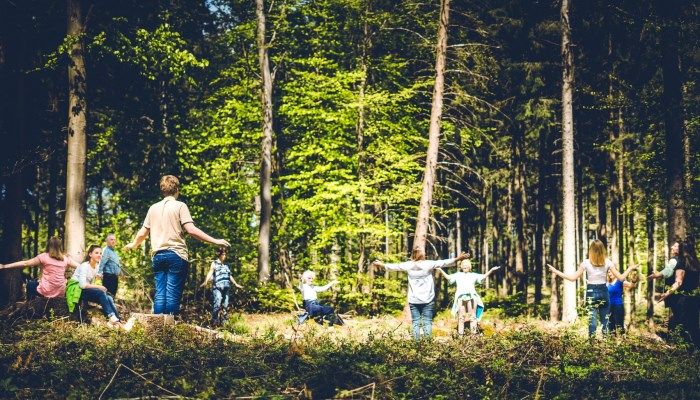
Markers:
(307, 274)
(169, 185)
(597, 253)
(55, 248)
(466, 263)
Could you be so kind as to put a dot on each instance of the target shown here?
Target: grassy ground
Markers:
(267, 356)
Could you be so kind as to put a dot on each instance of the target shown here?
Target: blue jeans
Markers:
(422, 313)
(170, 271)
(219, 301)
(316, 309)
(105, 300)
(598, 302)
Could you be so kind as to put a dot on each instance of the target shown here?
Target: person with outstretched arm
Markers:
(596, 267)
(220, 276)
(467, 302)
(310, 299)
(421, 288)
(53, 263)
(168, 222)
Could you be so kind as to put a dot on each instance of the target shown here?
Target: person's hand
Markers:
(102, 288)
(663, 297)
(377, 264)
(203, 284)
(334, 282)
(550, 267)
(239, 286)
(462, 256)
(222, 242)
(130, 246)
(652, 276)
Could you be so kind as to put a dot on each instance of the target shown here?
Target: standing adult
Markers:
(53, 263)
(110, 265)
(421, 288)
(596, 267)
(681, 295)
(167, 222)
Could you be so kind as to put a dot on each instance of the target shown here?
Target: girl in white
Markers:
(85, 274)
(466, 295)
(311, 304)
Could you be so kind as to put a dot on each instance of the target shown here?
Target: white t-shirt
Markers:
(466, 282)
(597, 275)
(84, 274)
(421, 286)
(308, 292)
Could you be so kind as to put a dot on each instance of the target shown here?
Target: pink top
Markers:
(53, 278)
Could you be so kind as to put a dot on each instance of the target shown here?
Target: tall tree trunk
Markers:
(673, 118)
(426, 199)
(602, 215)
(519, 204)
(568, 187)
(554, 257)
(651, 264)
(541, 214)
(360, 132)
(77, 138)
(266, 153)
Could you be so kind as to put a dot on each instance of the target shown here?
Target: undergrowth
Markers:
(62, 359)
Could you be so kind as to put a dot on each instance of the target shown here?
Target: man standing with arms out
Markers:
(110, 268)
(167, 222)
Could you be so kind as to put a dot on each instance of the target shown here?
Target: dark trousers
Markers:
(111, 282)
(316, 309)
(617, 318)
(685, 315)
(32, 286)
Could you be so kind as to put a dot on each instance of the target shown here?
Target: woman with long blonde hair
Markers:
(596, 267)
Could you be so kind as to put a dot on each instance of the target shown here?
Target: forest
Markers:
(334, 136)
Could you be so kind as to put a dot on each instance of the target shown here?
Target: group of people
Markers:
(605, 286)
(99, 262)
(168, 222)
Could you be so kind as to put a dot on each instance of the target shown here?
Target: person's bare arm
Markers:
(491, 271)
(680, 275)
(32, 262)
(621, 276)
(209, 277)
(572, 277)
(199, 234)
(141, 235)
(233, 281)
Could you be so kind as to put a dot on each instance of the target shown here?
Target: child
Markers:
(311, 304)
(617, 305)
(466, 294)
(53, 265)
(220, 274)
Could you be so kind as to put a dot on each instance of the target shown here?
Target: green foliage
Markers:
(512, 364)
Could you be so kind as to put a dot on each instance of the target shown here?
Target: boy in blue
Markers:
(220, 274)
(617, 305)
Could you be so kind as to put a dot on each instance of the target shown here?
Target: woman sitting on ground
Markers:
(309, 294)
(82, 278)
(53, 265)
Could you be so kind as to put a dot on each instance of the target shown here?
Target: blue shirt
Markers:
(109, 264)
(615, 292)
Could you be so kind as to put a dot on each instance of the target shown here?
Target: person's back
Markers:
(166, 220)
(53, 280)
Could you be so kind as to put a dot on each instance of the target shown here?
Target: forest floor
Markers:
(269, 356)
